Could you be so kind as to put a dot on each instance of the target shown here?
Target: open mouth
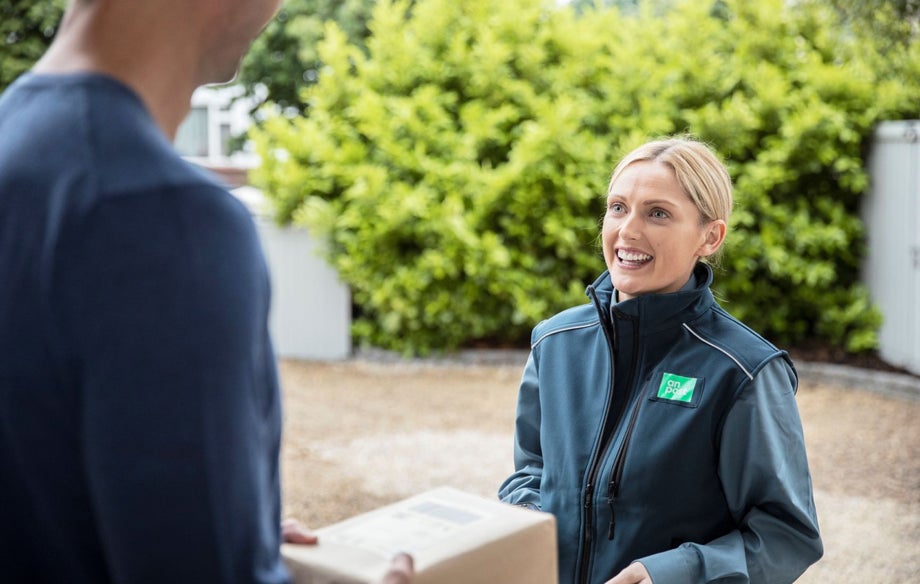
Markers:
(633, 258)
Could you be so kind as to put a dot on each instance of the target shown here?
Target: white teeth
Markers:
(630, 256)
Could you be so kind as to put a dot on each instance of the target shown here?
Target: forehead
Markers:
(647, 178)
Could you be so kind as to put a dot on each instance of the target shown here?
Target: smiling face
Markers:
(653, 234)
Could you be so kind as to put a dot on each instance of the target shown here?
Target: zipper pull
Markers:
(610, 498)
(610, 528)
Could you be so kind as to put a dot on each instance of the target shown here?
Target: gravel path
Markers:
(360, 434)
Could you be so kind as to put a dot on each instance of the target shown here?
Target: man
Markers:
(140, 415)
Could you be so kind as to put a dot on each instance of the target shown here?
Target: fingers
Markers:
(634, 573)
(402, 569)
(293, 532)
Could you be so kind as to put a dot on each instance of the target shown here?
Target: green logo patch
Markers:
(676, 388)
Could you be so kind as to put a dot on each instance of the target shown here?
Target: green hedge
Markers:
(458, 168)
(26, 30)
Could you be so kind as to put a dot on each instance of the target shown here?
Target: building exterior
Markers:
(209, 135)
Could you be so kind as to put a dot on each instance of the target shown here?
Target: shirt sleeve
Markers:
(164, 300)
(767, 485)
(523, 486)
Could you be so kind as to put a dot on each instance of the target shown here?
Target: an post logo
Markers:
(676, 388)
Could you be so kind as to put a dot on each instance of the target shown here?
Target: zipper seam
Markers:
(616, 474)
(584, 559)
(619, 462)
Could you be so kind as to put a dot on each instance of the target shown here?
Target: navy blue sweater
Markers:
(140, 415)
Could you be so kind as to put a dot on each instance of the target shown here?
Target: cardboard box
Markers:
(454, 537)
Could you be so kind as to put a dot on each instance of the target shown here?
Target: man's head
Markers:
(162, 49)
(209, 36)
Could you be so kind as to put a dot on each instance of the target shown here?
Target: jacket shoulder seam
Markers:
(563, 329)
(721, 349)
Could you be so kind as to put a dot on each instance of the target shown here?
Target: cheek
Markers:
(609, 232)
(609, 227)
(607, 239)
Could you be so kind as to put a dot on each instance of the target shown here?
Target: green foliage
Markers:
(26, 30)
(284, 59)
(458, 164)
(892, 22)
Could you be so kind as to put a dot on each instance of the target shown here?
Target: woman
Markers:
(661, 432)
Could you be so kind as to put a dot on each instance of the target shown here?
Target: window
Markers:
(192, 137)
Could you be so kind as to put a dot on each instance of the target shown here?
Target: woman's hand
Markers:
(401, 571)
(634, 573)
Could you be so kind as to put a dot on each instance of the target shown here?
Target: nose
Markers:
(630, 226)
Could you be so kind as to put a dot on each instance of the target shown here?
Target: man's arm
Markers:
(165, 298)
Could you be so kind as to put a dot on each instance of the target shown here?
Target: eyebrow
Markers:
(650, 203)
(654, 202)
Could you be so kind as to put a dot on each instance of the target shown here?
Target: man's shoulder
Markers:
(88, 129)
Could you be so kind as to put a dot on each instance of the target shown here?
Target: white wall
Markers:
(892, 215)
(311, 307)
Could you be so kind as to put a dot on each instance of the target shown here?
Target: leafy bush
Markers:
(458, 165)
(283, 59)
(26, 30)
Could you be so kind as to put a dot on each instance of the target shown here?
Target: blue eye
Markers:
(660, 214)
(616, 207)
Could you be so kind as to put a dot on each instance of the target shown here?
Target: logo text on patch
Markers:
(676, 387)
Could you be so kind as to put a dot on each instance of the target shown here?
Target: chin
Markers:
(630, 288)
(220, 73)
(224, 77)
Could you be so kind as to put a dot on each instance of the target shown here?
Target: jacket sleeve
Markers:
(523, 486)
(767, 485)
(167, 300)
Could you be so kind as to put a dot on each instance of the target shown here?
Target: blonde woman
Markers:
(661, 432)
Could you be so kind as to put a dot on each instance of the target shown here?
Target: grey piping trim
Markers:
(562, 330)
(720, 349)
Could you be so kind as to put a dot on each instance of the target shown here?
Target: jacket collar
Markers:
(656, 310)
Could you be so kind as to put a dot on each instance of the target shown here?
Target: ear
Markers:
(714, 235)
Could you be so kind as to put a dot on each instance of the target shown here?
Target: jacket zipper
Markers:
(604, 443)
(616, 474)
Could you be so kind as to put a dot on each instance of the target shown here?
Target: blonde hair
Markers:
(699, 172)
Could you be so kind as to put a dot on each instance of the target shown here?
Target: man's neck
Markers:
(98, 39)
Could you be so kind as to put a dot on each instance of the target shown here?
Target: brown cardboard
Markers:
(454, 537)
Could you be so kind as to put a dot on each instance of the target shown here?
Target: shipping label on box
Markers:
(454, 537)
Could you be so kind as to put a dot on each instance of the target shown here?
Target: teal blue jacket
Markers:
(662, 430)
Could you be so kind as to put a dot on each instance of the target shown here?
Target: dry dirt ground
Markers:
(360, 434)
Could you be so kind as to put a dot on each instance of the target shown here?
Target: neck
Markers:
(126, 42)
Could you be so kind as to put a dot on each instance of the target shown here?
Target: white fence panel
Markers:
(311, 307)
(892, 215)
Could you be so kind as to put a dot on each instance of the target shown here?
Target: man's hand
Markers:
(293, 532)
(402, 568)
(634, 573)
(401, 571)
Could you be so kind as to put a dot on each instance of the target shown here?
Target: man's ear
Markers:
(714, 233)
